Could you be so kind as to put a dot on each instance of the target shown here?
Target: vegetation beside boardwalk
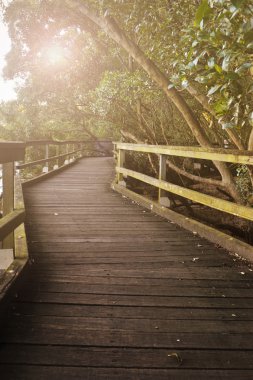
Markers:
(164, 72)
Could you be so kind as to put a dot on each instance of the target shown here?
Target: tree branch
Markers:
(193, 177)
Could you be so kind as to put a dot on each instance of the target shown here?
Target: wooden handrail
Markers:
(10, 222)
(11, 151)
(51, 159)
(62, 142)
(213, 154)
(12, 218)
(242, 157)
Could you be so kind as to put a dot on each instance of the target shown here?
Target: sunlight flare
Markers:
(55, 55)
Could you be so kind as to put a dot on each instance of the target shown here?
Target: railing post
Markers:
(56, 166)
(46, 167)
(8, 199)
(67, 157)
(120, 164)
(72, 148)
(162, 194)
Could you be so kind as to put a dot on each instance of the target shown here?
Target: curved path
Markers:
(118, 293)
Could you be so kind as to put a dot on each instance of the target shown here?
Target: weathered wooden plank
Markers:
(151, 313)
(147, 290)
(128, 300)
(181, 264)
(82, 324)
(102, 302)
(56, 335)
(213, 154)
(179, 282)
(24, 372)
(127, 358)
(173, 273)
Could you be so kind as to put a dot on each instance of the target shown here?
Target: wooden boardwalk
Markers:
(118, 293)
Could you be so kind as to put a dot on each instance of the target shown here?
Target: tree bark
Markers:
(195, 178)
(250, 143)
(109, 25)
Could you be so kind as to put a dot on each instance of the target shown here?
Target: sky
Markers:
(7, 91)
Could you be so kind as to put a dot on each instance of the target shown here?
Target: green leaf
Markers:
(250, 46)
(221, 107)
(243, 67)
(218, 69)
(211, 62)
(225, 63)
(200, 79)
(185, 83)
(202, 11)
(213, 89)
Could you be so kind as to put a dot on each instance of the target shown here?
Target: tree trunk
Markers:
(109, 25)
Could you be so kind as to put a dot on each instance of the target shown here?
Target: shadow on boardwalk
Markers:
(116, 292)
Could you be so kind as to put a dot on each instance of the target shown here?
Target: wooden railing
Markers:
(12, 215)
(223, 155)
(54, 154)
(47, 157)
(58, 154)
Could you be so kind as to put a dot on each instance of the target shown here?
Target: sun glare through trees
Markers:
(54, 55)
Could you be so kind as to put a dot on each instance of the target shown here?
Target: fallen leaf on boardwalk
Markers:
(176, 356)
(56, 213)
(195, 259)
(242, 272)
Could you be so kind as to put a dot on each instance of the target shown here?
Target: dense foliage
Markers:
(99, 87)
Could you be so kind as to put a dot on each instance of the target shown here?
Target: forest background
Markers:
(159, 72)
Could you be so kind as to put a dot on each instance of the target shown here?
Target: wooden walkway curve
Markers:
(116, 292)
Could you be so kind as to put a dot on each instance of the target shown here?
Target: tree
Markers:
(157, 55)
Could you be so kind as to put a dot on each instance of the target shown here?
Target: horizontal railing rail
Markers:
(165, 187)
(49, 159)
(213, 154)
(10, 222)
